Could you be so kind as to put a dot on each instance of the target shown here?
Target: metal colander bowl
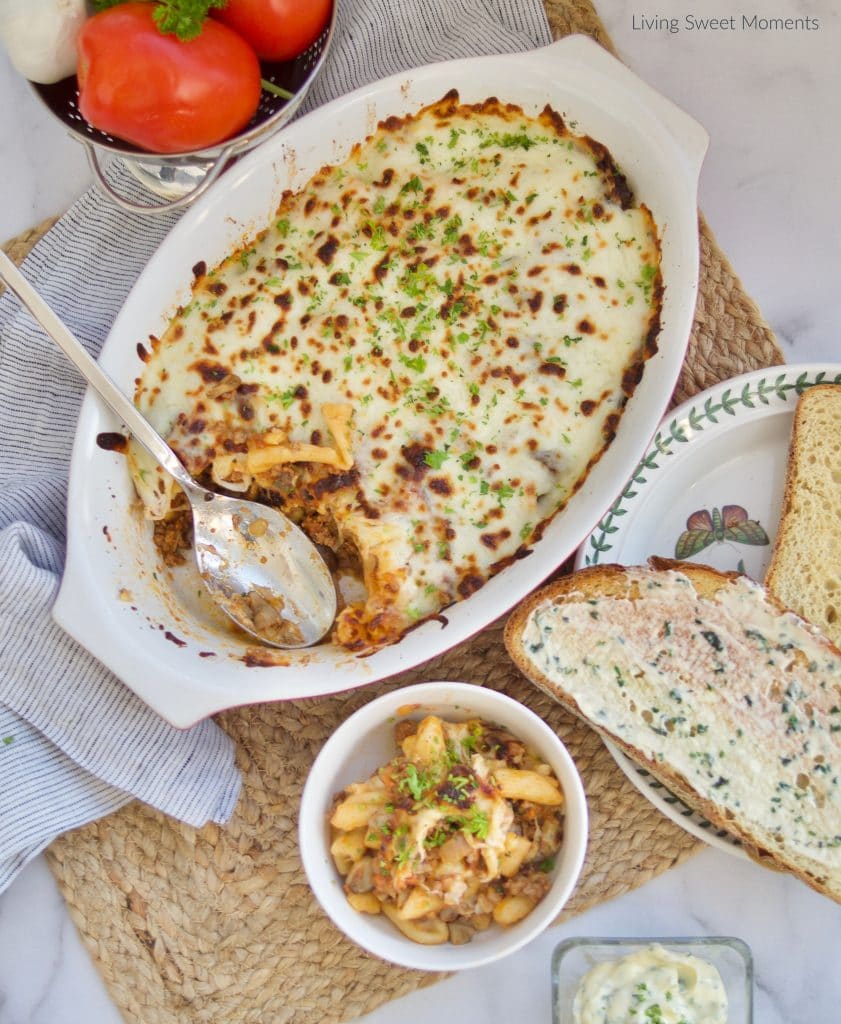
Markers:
(179, 178)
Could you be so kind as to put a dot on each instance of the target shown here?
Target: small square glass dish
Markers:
(650, 980)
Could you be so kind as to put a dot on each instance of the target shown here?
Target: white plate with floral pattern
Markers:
(708, 489)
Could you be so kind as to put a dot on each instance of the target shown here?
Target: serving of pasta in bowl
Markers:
(443, 826)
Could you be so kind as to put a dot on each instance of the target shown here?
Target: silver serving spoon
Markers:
(260, 568)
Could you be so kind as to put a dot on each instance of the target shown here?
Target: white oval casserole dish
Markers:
(158, 636)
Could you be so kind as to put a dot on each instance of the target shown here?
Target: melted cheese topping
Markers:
(473, 295)
(741, 701)
(654, 984)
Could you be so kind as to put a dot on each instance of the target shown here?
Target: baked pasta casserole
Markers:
(456, 833)
(419, 360)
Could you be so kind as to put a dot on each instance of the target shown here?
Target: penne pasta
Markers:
(431, 932)
(354, 812)
(522, 784)
(512, 909)
(347, 848)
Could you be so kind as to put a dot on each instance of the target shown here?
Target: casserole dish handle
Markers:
(214, 170)
(691, 139)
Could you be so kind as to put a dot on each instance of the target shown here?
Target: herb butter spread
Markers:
(653, 986)
(741, 701)
(422, 356)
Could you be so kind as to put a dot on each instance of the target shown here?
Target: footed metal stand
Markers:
(180, 178)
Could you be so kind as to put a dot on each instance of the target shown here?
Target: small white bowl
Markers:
(365, 742)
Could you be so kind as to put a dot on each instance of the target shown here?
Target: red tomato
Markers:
(276, 29)
(162, 94)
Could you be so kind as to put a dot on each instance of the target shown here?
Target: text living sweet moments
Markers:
(729, 23)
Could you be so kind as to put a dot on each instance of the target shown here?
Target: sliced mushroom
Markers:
(460, 932)
(265, 615)
(361, 876)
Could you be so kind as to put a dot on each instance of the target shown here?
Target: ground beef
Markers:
(321, 529)
(174, 537)
(534, 883)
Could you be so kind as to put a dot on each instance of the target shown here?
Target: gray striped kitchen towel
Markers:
(75, 743)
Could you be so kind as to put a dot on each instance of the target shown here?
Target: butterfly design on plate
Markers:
(704, 528)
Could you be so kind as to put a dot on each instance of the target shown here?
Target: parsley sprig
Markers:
(181, 18)
(414, 782)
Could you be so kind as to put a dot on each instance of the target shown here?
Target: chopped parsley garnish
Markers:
(452, 228)
(414, 782)
(503, 493)
(460, 783)
(402, 851)
(378, 239)
(476, 823)
(416, 363)
(435, 459)
(421, 231)
(414, 184)
(647, 276)
(286, 398)
(509, 140)
(436, 838)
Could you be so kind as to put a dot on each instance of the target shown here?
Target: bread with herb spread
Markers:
(805, 569)
(732, 701)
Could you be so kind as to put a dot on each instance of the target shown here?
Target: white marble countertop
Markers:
(769, 99)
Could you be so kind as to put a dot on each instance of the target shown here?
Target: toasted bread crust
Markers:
(805, 569)
(615, 582)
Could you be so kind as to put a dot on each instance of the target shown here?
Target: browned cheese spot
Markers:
(552, 370)
(469, 584)
(415, 455)
(493, 540)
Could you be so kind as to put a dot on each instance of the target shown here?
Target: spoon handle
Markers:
(93, 373)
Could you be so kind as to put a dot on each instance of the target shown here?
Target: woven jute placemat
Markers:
(218, 924)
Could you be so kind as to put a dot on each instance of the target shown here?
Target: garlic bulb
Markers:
(40, 36)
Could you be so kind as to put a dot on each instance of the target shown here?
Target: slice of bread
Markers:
(805, 569)
(730, 700)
